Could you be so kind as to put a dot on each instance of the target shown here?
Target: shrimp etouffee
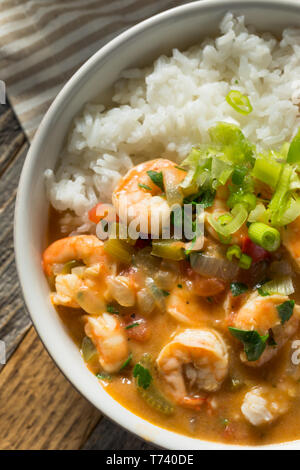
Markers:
(196, 337)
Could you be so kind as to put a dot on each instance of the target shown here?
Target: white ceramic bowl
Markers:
(138, 46)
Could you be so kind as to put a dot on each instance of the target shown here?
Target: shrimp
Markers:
(291, 241)
(110, 340)
(187, 307)
(194, 362)
(264, 404)
(86, 286)
(260, 314)
(86, 248)
(137, 197)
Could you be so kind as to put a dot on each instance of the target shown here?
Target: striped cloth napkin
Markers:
(43, 42)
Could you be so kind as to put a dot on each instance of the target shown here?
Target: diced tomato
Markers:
(256, 252)
(142, 243)
(140, 332)
(101, 211)
(202, 286)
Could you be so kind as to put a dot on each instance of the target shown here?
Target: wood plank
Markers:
(107, 436)
(11, 136)
(14, 320)
(39, 409)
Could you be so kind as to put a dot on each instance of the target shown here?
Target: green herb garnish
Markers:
(179, 168)
(165, 293)
(125, 364)
(144, 186)
(238, 288)
(179, 285)
(254, 344)
(157, 178)
(285, 310)
(132, 325)
(111, 309)
(104, 376)
(142, 375)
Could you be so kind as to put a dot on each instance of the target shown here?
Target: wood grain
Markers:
(108, 436)
(14, 320)
(39, 409)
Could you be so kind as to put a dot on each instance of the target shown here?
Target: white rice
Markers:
(165, 109)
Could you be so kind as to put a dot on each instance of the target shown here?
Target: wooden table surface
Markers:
(39, 409)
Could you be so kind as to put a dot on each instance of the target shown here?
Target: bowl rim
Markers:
(165, 438)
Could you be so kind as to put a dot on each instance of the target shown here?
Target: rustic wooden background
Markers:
(39, 409)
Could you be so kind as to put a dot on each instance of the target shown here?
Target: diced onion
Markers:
(282, 286)
(210, 266)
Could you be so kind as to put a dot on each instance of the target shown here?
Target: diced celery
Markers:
(119, 249)
(168, 249)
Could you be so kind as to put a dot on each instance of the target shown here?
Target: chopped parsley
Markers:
(132, 325)
(127, 362)
(165, 293)
(285, 310)
(179, 285)
(142, 375)
(157, 178)
(111, 309)
(238, 288)
(104, 376)
(254, 344)
(144, 186)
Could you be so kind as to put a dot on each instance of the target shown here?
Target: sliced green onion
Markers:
(259, 214)
(220, 172)
(245, 261)
(233, 251)
(248, 199)
(264, 236)
(240, 215)
(239, 102)
(234, 146)
(293, 155)
(278, 202)
(238, 175)
(282, 286)
(291, 213)
(267, 170)
(168, 249)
